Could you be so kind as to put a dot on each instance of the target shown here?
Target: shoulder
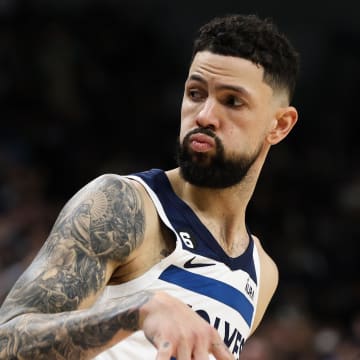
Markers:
(269, 278)
(116, 211)
(115, 187)
(268, 266)
(125, 202)
(111, 184)
(99, 228)
(105, 198)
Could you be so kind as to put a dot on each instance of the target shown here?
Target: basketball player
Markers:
(161, 265)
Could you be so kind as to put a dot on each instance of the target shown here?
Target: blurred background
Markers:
(89, 87)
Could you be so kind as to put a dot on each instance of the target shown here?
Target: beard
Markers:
(212, 171)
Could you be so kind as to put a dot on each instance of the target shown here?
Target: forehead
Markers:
(214, 68)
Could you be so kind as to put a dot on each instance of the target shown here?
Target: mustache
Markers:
(205, 131)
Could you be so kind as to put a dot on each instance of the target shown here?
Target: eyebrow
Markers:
(239, 89)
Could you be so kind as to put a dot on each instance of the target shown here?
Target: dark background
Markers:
(88, 87)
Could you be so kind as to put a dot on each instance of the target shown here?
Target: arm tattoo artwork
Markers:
(76, 335)
(102, 223)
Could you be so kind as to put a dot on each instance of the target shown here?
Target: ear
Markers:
(284, 121)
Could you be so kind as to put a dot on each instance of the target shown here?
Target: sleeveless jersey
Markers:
(221, 289)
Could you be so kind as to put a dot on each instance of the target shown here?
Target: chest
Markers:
(157, 245)
(223, 297)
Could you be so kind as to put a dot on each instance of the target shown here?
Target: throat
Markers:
(230, 233)
(234, 248)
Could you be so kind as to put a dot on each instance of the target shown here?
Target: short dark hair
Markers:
(254, 39)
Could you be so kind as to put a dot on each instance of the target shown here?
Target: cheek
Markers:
(242, 139)
(188, 117)
(184, 130)
(187, 110)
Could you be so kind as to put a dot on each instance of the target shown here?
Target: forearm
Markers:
(76, 335)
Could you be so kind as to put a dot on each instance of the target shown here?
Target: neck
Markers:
(221, 210)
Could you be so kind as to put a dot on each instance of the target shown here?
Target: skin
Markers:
(109, 233)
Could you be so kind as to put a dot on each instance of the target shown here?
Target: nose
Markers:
(208, 116)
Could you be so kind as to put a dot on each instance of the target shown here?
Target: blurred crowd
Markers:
(294, 336)
(98, 89)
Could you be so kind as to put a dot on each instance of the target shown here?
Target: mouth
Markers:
(201, 142)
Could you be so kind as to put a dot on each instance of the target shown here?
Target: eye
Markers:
(195, 94)
(233, 101)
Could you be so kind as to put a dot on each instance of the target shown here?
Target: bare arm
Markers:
(269, 278)
(95, 232)
(50, 312)
(80, 334)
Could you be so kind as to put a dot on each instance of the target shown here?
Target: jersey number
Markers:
(185, 237)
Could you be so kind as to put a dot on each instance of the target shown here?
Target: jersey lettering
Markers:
(232, 336)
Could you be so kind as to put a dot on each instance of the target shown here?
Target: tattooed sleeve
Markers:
(75, 335)
(100, 225)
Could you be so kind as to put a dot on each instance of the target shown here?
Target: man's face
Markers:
(226, 113)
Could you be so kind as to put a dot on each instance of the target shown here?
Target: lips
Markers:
(201, 142)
